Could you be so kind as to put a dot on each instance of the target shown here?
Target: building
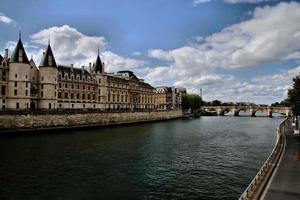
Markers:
(24, 86)
(168, 97)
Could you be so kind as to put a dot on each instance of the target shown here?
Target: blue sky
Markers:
(236, 50)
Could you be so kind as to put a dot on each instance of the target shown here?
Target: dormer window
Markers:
(50, 60)
(20, 55)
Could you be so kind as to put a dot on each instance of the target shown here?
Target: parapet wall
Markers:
(46, 121)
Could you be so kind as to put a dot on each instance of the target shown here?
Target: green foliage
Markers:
(294, 96)
(216, 103)
(284, 103)
(191, 101)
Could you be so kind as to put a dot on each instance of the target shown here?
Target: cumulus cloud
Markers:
(271, 34)
(284, 77)
(159, 75)
(6, 19)
(196, 2)
(245, 1)
(228, 88)
(73, 47)
(116, 62)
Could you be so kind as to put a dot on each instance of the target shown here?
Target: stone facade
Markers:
(40, 121)
(168, 97)
(24, 86)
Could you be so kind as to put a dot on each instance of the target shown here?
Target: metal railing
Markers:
(255, 188)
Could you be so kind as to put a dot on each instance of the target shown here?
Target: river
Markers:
(204, 158)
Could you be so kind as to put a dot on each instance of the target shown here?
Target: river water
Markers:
(205, 158)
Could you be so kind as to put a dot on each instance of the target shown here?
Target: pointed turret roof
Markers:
(15, 55)
(48, 59)
(1, 58)
(32, 63)
(98, 64)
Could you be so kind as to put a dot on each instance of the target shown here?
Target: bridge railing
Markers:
(255, 188)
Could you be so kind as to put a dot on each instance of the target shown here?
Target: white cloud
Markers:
(73, 47)
(136, 53)
(6, 19)
(196, 2)
(284, 77)
(271, 34)
(158, 75)
(245, 1)
(200, 1)
(115, 62)
(228, 88)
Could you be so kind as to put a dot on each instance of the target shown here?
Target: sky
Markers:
(235, 50)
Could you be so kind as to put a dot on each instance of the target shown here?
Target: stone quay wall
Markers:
(51, 121)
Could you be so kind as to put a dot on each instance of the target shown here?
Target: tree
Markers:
(294, 96)
(191, 101)
(216, 103)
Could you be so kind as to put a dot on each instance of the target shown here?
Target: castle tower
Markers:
(98, 65)
(19, 79)
(47, 79)
(101, 79)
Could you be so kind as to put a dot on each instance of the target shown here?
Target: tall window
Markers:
(16, 92)
(16, 84)
(20, 55)
(17, 105)
(3, 76)
(3, 90)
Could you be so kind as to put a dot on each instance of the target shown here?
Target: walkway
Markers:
(285, 184)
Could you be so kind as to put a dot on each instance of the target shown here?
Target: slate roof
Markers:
(115, 78)
(1, 58)
(98, 64)
(67, 69)
(15, 54)
(46, 58)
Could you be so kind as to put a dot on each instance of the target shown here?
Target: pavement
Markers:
(285, 184)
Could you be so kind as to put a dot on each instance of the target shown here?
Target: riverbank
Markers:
(36, 122)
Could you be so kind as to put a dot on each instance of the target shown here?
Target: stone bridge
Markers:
(222, 110)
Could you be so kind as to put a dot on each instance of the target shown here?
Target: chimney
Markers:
(90, 67)
(103, 66)
(6, 53)
(72, 67)
(82, 67)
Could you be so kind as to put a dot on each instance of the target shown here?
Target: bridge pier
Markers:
(235, 112)
(220, 111)
(269, 112)
(252, 112)
(288, 113)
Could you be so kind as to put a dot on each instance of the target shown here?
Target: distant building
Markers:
(24, 86)
(168, 97)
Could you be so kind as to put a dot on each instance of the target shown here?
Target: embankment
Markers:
(10, 123)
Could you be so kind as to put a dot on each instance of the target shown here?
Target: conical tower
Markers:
(19, 54)
(48, 78)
